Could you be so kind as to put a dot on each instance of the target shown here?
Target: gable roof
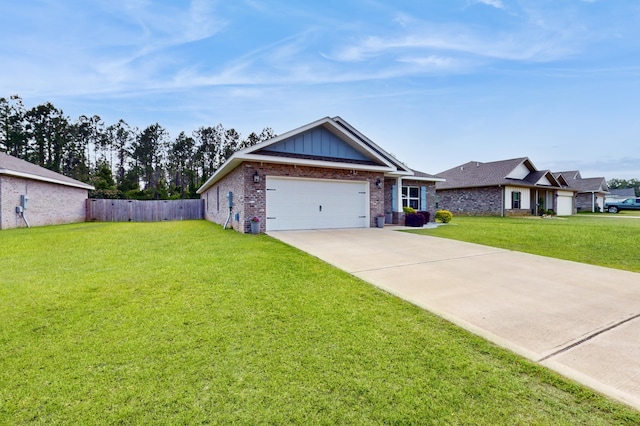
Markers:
(623, 192)
(515, 171)
(328, 143)
(574, 180)
(12, 166)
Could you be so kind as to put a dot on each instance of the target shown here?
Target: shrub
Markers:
(408, 210)
(414, 219)
(426, 215)
(444, 216)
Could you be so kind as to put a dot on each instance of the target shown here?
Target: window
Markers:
(515, 200)
(411, 197)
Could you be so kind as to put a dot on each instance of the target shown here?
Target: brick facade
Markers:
(49, 203)
(249, 198)
(473, 201)
(398, 217)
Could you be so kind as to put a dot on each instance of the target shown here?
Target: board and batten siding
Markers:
(318, 142)
(525, 197)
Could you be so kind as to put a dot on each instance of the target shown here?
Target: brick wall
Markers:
(431, 194)
(216, 205)
(472, 201)
(398, 217)
(49, 203)
(250, 198)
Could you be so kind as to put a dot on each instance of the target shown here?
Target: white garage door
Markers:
(564, 203)
(294, 203)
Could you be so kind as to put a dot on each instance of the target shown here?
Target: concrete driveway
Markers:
(580, 320)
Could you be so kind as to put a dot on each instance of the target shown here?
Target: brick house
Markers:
(31, 195)
(591, 193)
(325, 174)
(503, 188)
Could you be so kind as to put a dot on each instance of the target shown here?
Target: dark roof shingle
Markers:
(10, 165)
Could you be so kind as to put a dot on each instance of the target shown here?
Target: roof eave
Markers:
(240, 157)
(357, 144)
(14, 173)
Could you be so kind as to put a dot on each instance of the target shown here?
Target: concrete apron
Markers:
(580, 320)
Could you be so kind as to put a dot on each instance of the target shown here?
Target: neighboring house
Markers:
(37, 196)
(620, 194)
(591, 191)
(325, 174)
(503, 188)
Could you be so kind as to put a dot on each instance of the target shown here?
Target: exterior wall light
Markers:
(256, 177)
(378, 183)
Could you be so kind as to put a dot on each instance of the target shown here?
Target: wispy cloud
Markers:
(494, 3)
(530, 35)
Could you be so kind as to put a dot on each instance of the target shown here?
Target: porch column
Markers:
(398, 206)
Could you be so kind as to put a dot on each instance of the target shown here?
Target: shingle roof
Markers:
(13, 166)
(623, 192)
(576, 181)
(477, 174)
(417, 173)
(597, 184)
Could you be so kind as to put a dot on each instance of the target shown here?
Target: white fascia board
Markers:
(45, 179)
(410, 175)
(327, 120)
(425, 179)
(283, 136)
(226, 168)
(372, 143)
(315, 163)
(240, 157)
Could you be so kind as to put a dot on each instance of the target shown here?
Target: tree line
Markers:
(120, 161)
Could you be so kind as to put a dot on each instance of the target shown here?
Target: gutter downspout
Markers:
(502, 193)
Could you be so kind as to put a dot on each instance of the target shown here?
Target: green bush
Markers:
(444, 216)
(408, 210)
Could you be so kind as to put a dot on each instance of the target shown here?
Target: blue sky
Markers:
(435, 82)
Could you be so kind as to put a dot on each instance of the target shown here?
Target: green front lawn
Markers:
(597, 239)
(184, 323)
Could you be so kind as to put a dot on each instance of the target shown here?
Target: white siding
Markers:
(525, 197)
(519, 172)
(544, 181)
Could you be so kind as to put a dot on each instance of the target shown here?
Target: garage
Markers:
(564, 203)
(295, 203)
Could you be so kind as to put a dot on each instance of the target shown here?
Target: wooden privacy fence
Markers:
(103, 210)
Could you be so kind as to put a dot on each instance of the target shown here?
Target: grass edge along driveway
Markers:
(182, 322)
(596, 239)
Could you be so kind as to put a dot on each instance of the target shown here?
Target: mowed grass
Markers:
(596, 239)
(184, 323)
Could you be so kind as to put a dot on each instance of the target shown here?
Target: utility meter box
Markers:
(24, 202)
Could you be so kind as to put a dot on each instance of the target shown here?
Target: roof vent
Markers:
(478, 164)
(461, 167)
